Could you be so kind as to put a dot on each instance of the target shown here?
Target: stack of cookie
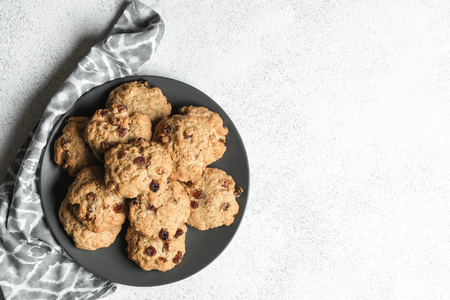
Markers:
(158, 178)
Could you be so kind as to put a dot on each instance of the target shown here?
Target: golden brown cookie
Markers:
(137, 167)
(95, 206)
(161, 253)
(139, 96)
(194, 138)
(212, 199)
(71, 153)
(167, 212)
(217, 132)
(115, 125)
(83, 237)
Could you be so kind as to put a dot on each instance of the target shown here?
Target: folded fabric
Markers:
(32, 264)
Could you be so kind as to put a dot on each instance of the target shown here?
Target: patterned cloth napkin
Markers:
(32, 264)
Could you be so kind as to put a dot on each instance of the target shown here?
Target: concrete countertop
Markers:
(343, 107)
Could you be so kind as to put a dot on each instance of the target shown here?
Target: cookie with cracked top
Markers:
(137, 167)
(115, 125)
(212, 199)
(93, 204)
(71, 153)
(139, 96)
(166, 212)
(162, 253)
(84, 238)
(194, 138)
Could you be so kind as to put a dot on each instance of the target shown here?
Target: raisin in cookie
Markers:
(115, 125)
(161, 253)
(139, 96)
(194, 139)
(137, 167)
(167, 212)
(95, 206)
(83, 237)
(212, 199)
(71, 153)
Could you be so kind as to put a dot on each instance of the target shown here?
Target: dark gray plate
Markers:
(112, 263)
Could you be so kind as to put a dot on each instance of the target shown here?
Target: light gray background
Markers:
(343, 107)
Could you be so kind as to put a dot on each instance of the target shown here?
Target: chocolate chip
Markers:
(163, 259)
(122, 155)
(150, 251)
(186, 136)
(223, 142)
(226, 206)
(194, 204)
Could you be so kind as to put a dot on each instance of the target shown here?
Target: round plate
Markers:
(112, 263)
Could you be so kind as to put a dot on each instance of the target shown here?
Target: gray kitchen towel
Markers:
(32, 264)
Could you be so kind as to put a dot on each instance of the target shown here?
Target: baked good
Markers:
(194, 138)
(84, 238)
(161, 253)
(71, 153)
(137, 167)
(115, 125)
(212, 199)
(217, 132)
(139, 96)
(167, 212)
(95, 206)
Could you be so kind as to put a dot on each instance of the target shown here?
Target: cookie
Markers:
(217, 132)
(139, 96)
(115, 125)
(161, 253)
(194, 139)
(212, 199)
(166, 212)
(71, 153)
(137, 167)
(84, 238)
(95, 206)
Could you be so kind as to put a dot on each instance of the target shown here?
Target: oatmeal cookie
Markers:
(195, 138)
(166, 212)
(115, 125)
(139, 96)
(71, 153)
(162, 253)
(95, 206)
(83, 237)
(212, 199)
(137, 167)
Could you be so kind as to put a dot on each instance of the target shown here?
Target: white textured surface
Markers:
(343, 107)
